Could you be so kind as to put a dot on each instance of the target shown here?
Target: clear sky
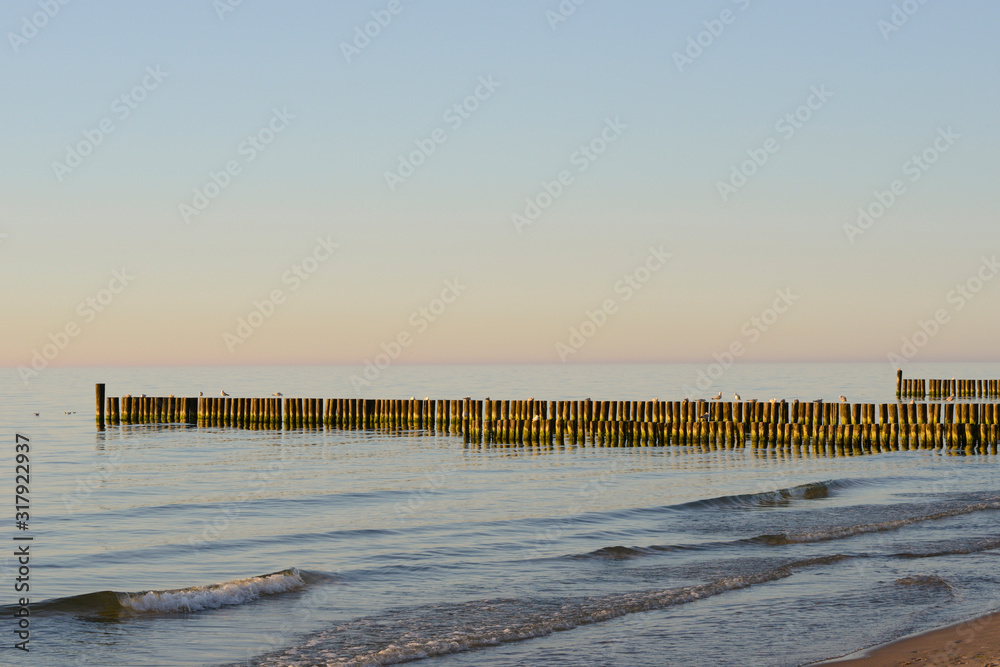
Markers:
(676, 169)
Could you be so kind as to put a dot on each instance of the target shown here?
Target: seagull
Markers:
(223, 392)
(36, 414)
(705, 417)
(717, 396)
(843, 399)
(127, 396)
(736, 396)
(950, 398)
(170, 396)
(200, 394)
(277, 393)
(142, 396)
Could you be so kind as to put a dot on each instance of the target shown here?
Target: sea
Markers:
(191, 545)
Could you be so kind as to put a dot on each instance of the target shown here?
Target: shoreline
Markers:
(973, 643)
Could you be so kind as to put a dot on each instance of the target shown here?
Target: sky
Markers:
(230, 182)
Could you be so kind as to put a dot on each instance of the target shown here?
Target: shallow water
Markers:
(178, 545)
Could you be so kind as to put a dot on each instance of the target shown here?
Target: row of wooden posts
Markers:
(601, 422)
(944, 389)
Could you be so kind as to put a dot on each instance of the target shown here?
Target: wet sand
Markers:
(974, 643)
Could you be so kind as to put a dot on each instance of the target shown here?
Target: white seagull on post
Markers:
(223, 392)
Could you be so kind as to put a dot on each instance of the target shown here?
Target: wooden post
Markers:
(99, 413)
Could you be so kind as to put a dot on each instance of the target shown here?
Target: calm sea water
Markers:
(169, 545)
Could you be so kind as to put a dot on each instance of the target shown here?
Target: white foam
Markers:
(196, 598)
(491, 623)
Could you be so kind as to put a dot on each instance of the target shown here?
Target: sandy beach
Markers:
(974, 643)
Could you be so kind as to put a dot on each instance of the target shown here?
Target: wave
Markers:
(109, 604)
(841, 532)
(824, 534)
(926, 581)
(422, 632)
(963, 549)
(775, 498)
(619, 552)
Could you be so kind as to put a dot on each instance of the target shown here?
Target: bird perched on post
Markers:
(223, 393)
(200, 394)
(704, 417)
(843, 399)
(717, 396)
(736, 396)
(277, 393)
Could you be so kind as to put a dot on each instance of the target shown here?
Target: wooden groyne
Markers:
(614, 423)
(937, 389)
